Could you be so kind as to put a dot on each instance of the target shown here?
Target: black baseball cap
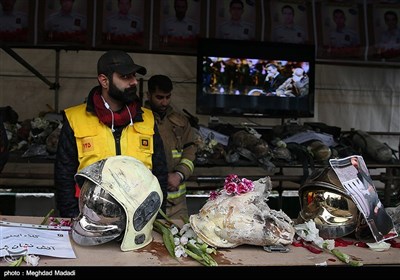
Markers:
(118, 61)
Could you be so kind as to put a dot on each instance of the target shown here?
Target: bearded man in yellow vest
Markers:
(110, 123)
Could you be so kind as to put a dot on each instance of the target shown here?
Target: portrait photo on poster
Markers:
(65, 21)
(16, 21)
(355, 178)
(340, 30)
(235, 20)
(178, 24)
(122, 23)
(384, 32)
(290, 21)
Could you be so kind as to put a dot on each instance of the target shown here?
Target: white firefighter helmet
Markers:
(119, 197)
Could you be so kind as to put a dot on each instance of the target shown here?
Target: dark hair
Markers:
(236, 2)
(287, 7)
(160, 82)
(390, 13)
(272, 65)
(338, 11)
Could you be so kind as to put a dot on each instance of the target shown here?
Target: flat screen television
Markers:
(237, 78)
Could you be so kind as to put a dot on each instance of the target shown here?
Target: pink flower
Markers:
(230, 188)
(249, 184)
(241, 188)
(213, 195)
(231, 178)
(234, 186)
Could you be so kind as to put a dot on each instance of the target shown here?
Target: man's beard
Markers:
(127, 96)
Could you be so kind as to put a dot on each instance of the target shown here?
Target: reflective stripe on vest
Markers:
(176, 154)
(188, 163)
(181, 191)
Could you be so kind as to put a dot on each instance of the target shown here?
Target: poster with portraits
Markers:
(384, 31)
(16, 22)
(65, 22)
(178, 25)
(340, 29)
(122, 24)
(290, 22)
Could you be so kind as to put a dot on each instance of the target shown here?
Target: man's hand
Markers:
(174, 180)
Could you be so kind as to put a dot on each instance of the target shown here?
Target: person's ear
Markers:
(103, 80)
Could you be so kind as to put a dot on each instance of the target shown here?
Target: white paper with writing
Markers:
(53, 243)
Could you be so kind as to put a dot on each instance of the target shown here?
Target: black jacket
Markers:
(67, 163)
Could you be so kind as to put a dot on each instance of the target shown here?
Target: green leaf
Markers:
(17, 262)
(46, 218)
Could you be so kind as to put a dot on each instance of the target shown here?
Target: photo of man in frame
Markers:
(385, 35)
(289, 22)
(235, 19)
(14, 20)
(65, 21)
(341, 32)
(123, 22)
(179, 23)
(356, 180)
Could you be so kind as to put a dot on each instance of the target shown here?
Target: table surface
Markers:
(155, 254)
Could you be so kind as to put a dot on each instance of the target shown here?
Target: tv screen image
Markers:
(255, 79)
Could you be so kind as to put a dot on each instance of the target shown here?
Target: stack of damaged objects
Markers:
(290, 144)
(37, 137)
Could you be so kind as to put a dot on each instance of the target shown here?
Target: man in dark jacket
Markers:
(178, 138)
(110, 123)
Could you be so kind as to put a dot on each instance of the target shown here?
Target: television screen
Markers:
(255, 79)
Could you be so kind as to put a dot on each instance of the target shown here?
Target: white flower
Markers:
(184, 240)
(193, 242)
(180, 251)
(309, 232)
(174, 230)
(185, 228)
(177, 241)
(190, 233)
(32, 260)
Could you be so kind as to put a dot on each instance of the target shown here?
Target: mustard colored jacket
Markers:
(95, 140)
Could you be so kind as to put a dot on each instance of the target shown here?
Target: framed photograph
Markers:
(122, 23)
(66, 22)
(178, 25)
(340, 29)
(17, 20)
(356, 180)
(236, 20)
(290, 22)
(384, 31)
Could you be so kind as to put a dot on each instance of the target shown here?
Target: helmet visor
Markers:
(333, 213)
(101, 217)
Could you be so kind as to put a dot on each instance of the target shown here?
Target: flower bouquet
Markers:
(183, 242)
